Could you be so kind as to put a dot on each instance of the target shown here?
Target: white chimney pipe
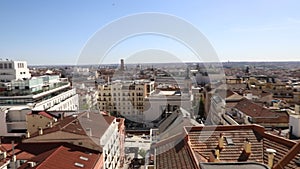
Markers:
(40, 131)
(27, 134)
(271, 154)
(50, 124)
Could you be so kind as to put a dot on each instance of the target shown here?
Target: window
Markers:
(10, 66)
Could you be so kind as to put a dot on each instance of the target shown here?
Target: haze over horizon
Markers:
(55, 32)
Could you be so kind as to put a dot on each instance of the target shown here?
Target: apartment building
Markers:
(125, 97)
(20, 93)
(91, 130)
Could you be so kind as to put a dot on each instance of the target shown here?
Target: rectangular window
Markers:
(10, 66)
(1, 66)
(5, 65)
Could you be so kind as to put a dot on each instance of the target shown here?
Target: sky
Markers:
(55, 32)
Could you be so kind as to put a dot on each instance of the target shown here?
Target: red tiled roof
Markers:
(205, 139)
(109, 119)
(174, 153)
(203, 142)
(67, 156)
(64, 156)
(26, 151)
(68, 124)
(251, 109)
(45, 114)
(260, 114)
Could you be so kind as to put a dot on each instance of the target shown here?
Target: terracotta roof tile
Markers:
(260, 114)
(205, 139)
(64, 156)
(177, 156)
(45, 114)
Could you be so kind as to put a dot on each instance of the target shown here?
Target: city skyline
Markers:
(45, 33)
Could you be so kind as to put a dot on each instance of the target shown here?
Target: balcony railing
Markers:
(25, 92)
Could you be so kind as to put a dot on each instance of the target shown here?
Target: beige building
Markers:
(40, 120)
(125, 97)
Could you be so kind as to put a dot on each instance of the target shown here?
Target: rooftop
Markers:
(89, 126)
(205, 139)
(53, 155)
(194, 150)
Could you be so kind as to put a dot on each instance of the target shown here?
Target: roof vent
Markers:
(31, 164)
(84, 158)
(79, 165)
(229, 141)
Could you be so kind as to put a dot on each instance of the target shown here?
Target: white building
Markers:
(21, 95)
(217, 109)
(13, 70)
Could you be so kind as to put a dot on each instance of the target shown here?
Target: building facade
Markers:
(125, 98)
(20, 93)
(11, 70)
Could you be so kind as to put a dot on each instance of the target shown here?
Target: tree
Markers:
(142, 153)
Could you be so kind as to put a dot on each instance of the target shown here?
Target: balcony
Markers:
(26, 92)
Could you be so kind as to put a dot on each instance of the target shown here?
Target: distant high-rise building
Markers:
(122, 67)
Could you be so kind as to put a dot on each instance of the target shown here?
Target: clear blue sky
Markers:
(55, 31)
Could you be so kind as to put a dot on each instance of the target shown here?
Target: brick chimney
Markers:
(247, 146)
(214, 156)
(221, 141)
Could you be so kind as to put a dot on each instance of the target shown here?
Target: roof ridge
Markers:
(75, 118)
(290, 155)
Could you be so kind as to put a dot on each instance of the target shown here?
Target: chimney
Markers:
(271, 154)
(221, 141)
(297, 109)
(247, 146)
(27, 134)
(214, 156)
(14, 158)
(4, 154)
(40, 131)
(279, 132)
(50, 124)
